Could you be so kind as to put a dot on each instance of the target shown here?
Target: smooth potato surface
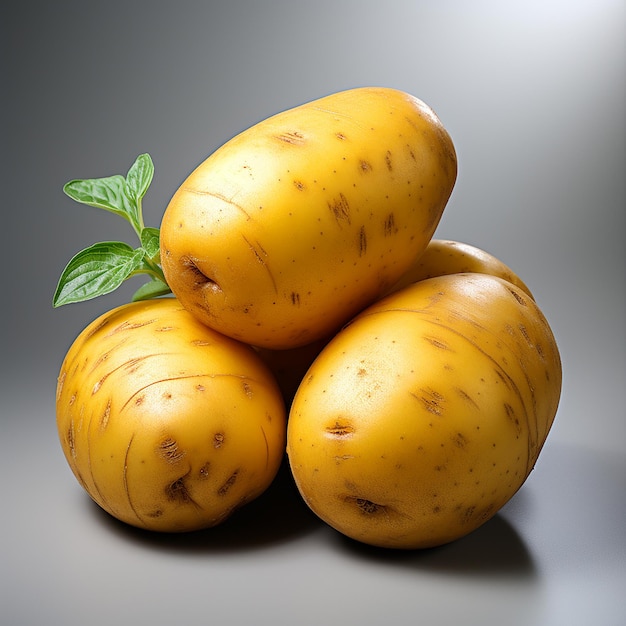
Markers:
(425, 414)
(294, 225)
(167, 424)
(445, 256)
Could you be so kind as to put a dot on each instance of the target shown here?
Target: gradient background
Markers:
(533, 96)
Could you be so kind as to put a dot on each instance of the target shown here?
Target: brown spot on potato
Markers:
(178, 491)
(295, 298)
(459, 440)
(340, 136)
(431, 400)
(247, 389)
(524, 331)
(466, 397)
(340, 430)
(200, 343)
(106, 414)
(437, 343)
(512, 417)
(340, 209)
(388, 160)
(362, 244)
(390, 225)
(230, 481)
(128, 325)
(294, 138)
(365, 166)
(169, 451)
(366, 506)
(518, 296)
(71, 440)
(218, 440)
(299, 185)
(204, 471)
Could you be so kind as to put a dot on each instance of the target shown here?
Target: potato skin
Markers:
(293, 226)
(445, 256)
(168, 425)
(426, 414)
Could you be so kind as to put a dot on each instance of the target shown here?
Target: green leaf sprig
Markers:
(103, 267)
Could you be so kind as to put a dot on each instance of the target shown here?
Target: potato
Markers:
(168, 425)
(425, 414)
(293, 226)
(444, 256)
(290, 366)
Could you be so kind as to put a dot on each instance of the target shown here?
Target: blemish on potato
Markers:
(218, 440)
(71, 439)
(366, 506)
(294, 138)
(524, 331)
(178, 491)
(362, 245)
(365, 166)
(431, 400)
(521, 300)
(340, 209)
(512, 417)
(343, 457)
(200, 343)
(230, 481)
(128, 325)
(104, 418)
(204, 471)
(388, 160)
(168, 449)
(459, 440)
(299, 185)
(295, 298)
(390, 225)
(247, 389)
(340, 430)
(467, 398)
(437, 343)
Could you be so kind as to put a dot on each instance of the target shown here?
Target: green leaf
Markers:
(96, 271)
(151, 289)
(150, 242)
(139, 177)
(107, 193)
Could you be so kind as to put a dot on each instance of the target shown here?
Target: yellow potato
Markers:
(425, 414)
(167, 424)
(290, 366)
(444, 256)
(294, 225)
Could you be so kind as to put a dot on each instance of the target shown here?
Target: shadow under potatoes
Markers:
(276, 516)
(494, 550)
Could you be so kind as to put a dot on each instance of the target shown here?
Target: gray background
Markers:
(533, 96)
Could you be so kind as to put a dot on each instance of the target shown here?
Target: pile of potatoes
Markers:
(411, 381)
